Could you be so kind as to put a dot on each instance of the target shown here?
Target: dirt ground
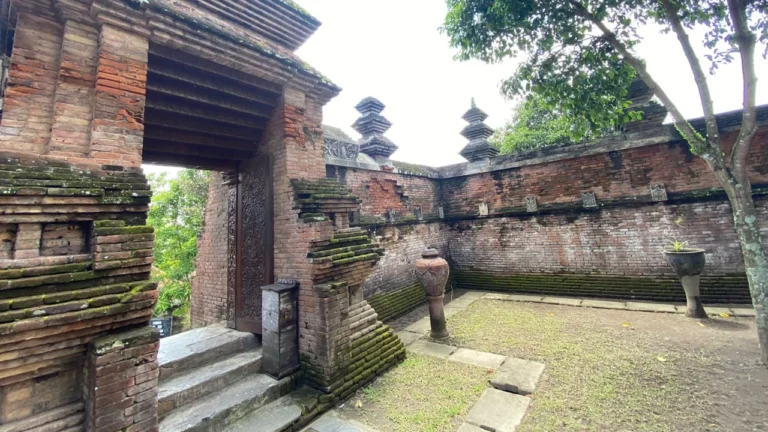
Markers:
(607, 370)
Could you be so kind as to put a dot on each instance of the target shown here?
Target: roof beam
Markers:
(184, 161)
(169, 147)
(185, 137)
(175, 106)
(195, 124)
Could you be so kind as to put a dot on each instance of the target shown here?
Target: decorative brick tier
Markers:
(75, 266)
(351, 345)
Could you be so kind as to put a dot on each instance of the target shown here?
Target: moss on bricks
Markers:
(124, 230)
(397, 303)
(714, 289)
(141, 336)
(109, 223)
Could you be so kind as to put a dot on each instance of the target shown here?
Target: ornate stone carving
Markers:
(432, 272)
(588, 199)
(531, 205)
(483, 209)
(255, 242)
(658, 192)
(231, 253)
(341, 150)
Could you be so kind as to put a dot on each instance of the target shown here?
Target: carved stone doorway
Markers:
(255, 252)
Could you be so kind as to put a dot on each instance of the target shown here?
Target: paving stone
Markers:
(518, 376)
(476, 295)
(562, 301)
(496, 296)
(431, 349)
(651, 307)
(717, 310)
(743, 312)
(468, 427)
(604, 304)
(333, 422)
(409, 337)
(498, 411)
(477, 358)
(421, 326)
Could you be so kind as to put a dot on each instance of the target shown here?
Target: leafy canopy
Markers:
(570, 62)
(177, 214)
(535, 125)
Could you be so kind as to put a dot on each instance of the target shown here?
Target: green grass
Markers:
(597, 378)
(422, 394)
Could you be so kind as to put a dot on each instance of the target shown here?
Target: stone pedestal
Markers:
(280, 331)
(432, 271)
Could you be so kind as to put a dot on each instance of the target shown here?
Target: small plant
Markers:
(677, 245)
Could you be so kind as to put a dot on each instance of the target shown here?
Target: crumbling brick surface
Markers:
(209, 285)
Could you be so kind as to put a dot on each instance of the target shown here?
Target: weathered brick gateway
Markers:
(587, 220)
(96, 87)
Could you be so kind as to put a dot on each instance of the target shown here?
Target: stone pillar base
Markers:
(280, 331)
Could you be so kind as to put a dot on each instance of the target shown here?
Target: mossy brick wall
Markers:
(121, 376)
(611, 252)
(78, 268)
(209, 285)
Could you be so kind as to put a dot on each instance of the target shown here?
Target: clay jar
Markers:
(432, 271)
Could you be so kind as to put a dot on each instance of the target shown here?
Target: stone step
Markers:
(180, 390)
(217, 411)
(280, 414)
(189, 350)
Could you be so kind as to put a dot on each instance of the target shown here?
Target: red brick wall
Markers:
(209, 286)
(382, 191)
(29, 99)
(612, 175)
(404, 245)
(619, 241)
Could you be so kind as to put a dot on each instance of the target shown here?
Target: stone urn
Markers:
(432, 271)
(688, 264)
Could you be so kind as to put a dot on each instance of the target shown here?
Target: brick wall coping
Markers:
(661, 135)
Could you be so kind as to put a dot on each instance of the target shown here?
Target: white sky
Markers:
(392, 50)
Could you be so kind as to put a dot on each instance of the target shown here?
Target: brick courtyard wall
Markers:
(209, 285)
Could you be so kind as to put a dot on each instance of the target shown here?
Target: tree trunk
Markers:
(755, 260)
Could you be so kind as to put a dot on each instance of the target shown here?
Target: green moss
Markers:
(125, 230)
(109, 223)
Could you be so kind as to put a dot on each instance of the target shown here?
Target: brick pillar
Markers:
(70, 134)
(121, 382)
(29, 99)
(117, 132)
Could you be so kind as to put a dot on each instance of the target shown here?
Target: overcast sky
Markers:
(392, 50)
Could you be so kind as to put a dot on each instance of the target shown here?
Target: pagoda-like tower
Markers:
(477, 132)
(372, 126)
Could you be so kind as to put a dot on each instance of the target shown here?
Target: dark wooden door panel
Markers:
(254, 240)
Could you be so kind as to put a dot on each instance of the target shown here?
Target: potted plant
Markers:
(688, 264)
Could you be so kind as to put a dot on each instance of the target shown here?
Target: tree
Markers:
(536, 125)
(177, 214)
(580, 59)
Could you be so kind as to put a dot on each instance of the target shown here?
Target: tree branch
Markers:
(713, 132)
(699, 144)
(745, 40)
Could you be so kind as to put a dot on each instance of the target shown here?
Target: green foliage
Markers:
(536, 125)
(567, 61)
(177, 214)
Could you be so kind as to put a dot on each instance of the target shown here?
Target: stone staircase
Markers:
(210, 381)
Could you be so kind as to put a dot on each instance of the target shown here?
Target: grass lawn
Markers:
(602, 374)
(421, 394)
(607, 371)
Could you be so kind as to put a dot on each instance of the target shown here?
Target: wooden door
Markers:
(255, 259)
